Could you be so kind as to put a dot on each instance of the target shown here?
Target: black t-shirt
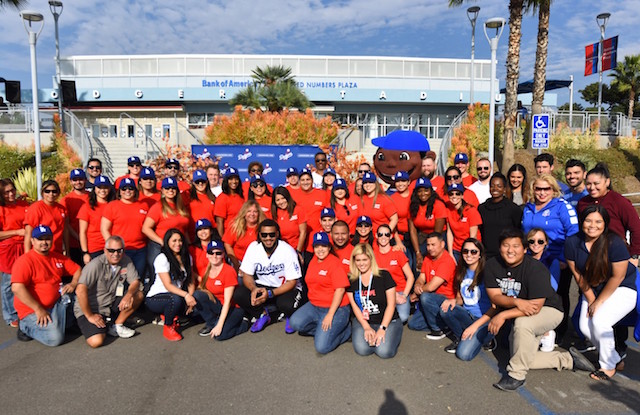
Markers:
(376, 304)
(529, 280)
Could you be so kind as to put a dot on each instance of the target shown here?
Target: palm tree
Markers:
(516, 8)
(16, 4)
(627, 78)
(274, 89)
(540, 68)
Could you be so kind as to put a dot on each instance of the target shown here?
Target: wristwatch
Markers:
(635, 256)
(270, 293)
(383, 327)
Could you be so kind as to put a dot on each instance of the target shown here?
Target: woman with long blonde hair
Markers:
(242, 231)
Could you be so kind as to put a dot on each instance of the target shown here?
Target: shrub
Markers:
(12, 159)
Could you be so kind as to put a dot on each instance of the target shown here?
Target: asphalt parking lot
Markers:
(274, 373)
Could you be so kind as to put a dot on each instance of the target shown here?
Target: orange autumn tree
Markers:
(472, 136)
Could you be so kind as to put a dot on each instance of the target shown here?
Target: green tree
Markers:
(16, 4)
(273, 88)
(627, 80)
(612, 98)
(576, 107)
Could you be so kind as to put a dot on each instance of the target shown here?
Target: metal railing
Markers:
(15, 120)
(612, 124)
(443, 157)
(179, 124)
(155, 150)
(77, 136)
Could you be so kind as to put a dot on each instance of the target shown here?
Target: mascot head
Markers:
(399, 151)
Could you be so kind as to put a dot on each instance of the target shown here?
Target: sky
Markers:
(407, 28)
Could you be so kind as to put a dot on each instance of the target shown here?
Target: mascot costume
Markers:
(399, 150)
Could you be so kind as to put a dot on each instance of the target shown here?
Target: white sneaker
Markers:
(548, 342)
(124, 331)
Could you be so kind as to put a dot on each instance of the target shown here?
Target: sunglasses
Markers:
(175, 189)
(216, 253)
(115, 251)
(482, 168)
(127, 189)
(268, 234)
(363, 225)
(385, 234)
(257, 184)
(256, 171)
(538, 241)
(77, 179)
(134, 165)
(456, 177)
(51, 191)
(200, 182)
(542, 189)
(172, 167)
(103, 187)
(455, 194)
(321, 160)
(363, 171)
(470, 251)
(94, 167)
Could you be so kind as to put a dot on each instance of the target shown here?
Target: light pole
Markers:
(472, 14)
(498, 24)
(28, 19)
(601, 19)
(56, 10)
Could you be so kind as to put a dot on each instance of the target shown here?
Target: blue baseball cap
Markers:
(127, 182)
(147, 173)
(456, 186)
(292, 171)
(257, 178)
(321, 238)
(327, 213)
(305, 171)
(461, 158)
(340, 184)
(203, 223)
(231, 171)
(424, 183)
(77, 174)
(102, 181)
(215, 246)
(199, 175)
(40, 231)
(172, 161)
(364, 219)
(133, 160)
(369, 178)
(401, 175)
(329, 170)
(169, 182)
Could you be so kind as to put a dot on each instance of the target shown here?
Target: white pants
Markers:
(599, 328)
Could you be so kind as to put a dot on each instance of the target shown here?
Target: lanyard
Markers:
(368, 291)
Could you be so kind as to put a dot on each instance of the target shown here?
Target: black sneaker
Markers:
(491, 346)
(509, 384)
(580, 362)
(436, 335)
(452, 347)
(584, 346)
(22, 336)
(205, 331)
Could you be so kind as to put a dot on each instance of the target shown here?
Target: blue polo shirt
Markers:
(575, 250)
(573, 198)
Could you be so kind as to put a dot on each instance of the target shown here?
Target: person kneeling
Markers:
(326, 315)
(376, 327)
(100, 295)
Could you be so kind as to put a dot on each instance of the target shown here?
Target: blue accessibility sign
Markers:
(540, 131)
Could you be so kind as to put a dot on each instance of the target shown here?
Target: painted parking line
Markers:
(7, 343)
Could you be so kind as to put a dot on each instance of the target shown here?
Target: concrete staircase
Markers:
(114, 153)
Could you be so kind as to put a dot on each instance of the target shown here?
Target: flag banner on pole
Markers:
(609, 53)
(591, 59)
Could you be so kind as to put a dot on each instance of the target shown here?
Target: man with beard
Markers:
(481, 187)
(341, 245)
(575, 173)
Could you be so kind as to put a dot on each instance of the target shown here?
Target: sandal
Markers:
(599, 375)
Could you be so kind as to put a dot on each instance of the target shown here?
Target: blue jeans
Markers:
(8, 312)
(233, 325)
(404, 310)
(171, 305)
(457, 319)
(387, 349)
(53, 333)
(427, 317)
(139, 259)
(468, 349)
(307, 320)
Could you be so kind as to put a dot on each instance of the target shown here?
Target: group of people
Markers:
(454, 255)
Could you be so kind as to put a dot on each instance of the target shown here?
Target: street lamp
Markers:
(602, 20)
(56, 10)
(30, 19)
(472, 14)
(498, 24)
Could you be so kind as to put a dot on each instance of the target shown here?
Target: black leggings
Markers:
(286, 303)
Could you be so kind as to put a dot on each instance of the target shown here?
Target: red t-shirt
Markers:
(380, 212)
(468, 180)
(290, 225)
(202, 208)
(349, 213)
(164, 223)
(126, 176)
(227, 207)
(149, 200)
(93, 217)
(240, 245)
(427, 225)
(402, 208)
(265, 205)
(437, 183)
(73, 202)
(323, 278)
(227, 278)
(200, 260)
(39, 213)
(42, 276)
(12, 218)
(393, 261)
(460, 226)
(312, 203)
(445, 268)
(126, 221)
(344, 254)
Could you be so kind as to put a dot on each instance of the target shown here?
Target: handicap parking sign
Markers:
(540, 131)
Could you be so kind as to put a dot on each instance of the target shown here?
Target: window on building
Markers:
(199, 119)
(113, 131)
(131, 131)
(166, 130)
(148, 130)
(95, 130)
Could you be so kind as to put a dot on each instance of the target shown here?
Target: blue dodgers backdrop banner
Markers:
(275, 159)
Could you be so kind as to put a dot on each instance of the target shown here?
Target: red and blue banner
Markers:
(609, 53)
(591, 59)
